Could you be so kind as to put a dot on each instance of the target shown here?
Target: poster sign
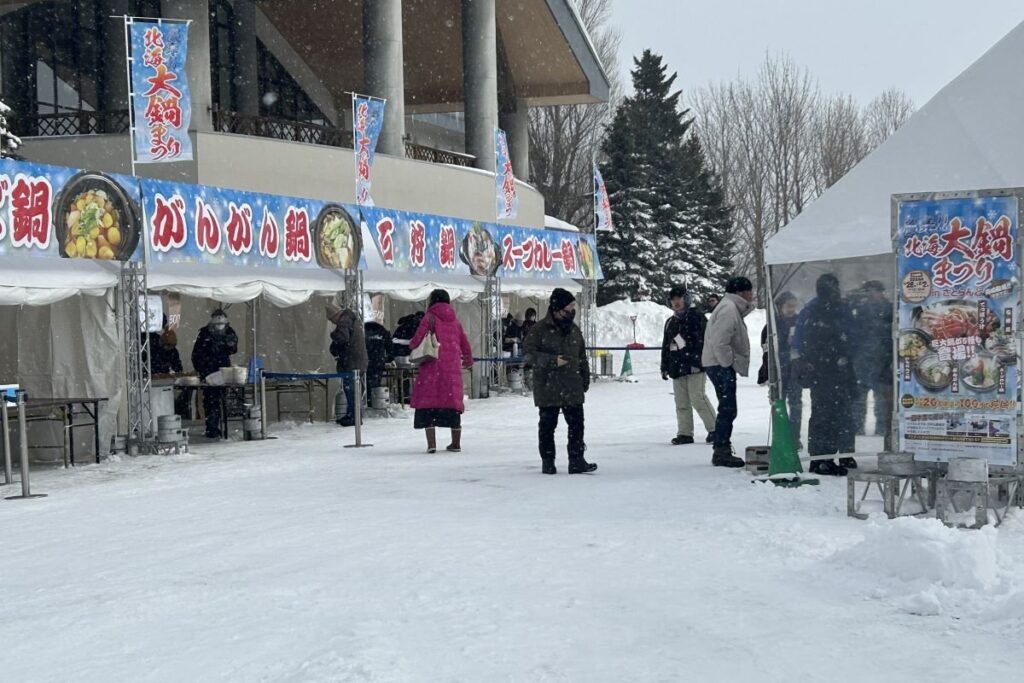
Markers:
(54, 211)
(202, 224)
(367, 120)
(506, 200)
(959, 309)
(425, 243)
(161, 104)
(602, 206)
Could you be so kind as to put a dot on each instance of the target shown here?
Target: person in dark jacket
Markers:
(558, 354)
(824, 348)
(379, 353)
(214, 346)
(404, 332)
(348, 346)
(164, 350)
(872, 364)
(681, 350)
(529, 322)
(511, 338)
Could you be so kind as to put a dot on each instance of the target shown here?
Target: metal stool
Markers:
(999, 494)
(893, 489)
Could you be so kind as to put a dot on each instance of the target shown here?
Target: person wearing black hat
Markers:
(558, 354)
(213, 349)
(348, 347)
(727, 354)
(681, 348)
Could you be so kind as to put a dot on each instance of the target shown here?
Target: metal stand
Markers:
(893, 489)
(357, 397)
(588, 322)
(23, 438)
(999, 494)
(134, 314)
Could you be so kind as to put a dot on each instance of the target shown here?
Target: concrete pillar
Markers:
(384, 69)
(198, 67)
(480, 79)
(246, 58)
(115, 64)
(516, 125)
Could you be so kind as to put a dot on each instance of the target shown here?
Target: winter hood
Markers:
(443, 312)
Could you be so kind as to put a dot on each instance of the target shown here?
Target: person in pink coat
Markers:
(437, 394)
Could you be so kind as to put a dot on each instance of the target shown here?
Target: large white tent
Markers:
(967, 137)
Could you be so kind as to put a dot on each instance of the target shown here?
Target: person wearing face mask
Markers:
(529, 322)
(681, 348)
(556, 350)
(213, 349)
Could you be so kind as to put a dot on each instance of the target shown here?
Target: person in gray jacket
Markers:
(726, 355)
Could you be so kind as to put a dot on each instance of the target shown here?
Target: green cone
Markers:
(784, 458)
(627, 366)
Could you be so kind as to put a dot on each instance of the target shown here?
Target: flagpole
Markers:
(131, 91)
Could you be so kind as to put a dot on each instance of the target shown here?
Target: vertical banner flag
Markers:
(506, 201)
(602, 207)
(161, 104)
(367, 119)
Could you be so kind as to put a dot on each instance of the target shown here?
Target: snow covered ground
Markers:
(297, 560)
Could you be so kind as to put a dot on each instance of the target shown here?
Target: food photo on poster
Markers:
(958, 376)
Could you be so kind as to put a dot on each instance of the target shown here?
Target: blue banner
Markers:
(424, 243)
(201, 224)
(54, 211)
(367, 120)
(959, 309)
(602, 206)
(505, 199)
(161, 104)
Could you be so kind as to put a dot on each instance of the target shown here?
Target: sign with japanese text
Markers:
(602, 206)
(57, 212)
(201, 224)
(161, 105)
(367, 120)
(505, 198)
(424, 243)
(958, 388)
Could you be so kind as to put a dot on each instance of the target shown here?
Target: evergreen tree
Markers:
(670, 222)
(9, 142)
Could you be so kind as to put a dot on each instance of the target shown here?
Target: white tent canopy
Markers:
(968, 137)
(31, 281)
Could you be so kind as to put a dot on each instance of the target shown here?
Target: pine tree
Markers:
(670, 222)
(9, 142)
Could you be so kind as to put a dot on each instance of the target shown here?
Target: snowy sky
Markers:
(855, 46)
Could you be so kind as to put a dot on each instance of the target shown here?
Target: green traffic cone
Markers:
(784, 466)
(627, 366)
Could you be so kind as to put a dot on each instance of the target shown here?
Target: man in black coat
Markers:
(213, 349)
(681, 349)
(406, 329)
(558, 354)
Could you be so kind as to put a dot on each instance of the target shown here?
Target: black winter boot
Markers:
(581, 466)
(723, 457)
(548, 466)
(682, 440)
(848, 463)
(827, 468)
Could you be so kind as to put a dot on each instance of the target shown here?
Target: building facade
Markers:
(271, 84)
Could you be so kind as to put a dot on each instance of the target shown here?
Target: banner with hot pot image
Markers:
(202, 224)
(959, 307)
(425, 243)
(54, 211)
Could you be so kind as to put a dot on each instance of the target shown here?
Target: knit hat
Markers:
(333, 311)
(560, 298)
(738, 284)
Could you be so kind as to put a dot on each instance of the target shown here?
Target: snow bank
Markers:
(928, 569)
(614, 327)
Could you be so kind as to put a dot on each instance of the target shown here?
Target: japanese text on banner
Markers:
(161, 103)
(367, 120)
(506, 200)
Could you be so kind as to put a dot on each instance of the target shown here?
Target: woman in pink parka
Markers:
(437, 394)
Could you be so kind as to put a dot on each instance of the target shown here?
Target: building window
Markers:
(223, 67)
(281, 96)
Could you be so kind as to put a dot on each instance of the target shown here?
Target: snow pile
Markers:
(928, 569)
(614, 327)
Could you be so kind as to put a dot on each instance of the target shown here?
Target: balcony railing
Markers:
(116, 122)
(71, 123)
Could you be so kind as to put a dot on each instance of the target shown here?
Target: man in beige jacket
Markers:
(726, 354)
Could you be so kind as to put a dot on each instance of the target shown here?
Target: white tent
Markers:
(967, 137)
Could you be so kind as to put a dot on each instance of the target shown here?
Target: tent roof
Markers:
(36, 281)
(967, 137)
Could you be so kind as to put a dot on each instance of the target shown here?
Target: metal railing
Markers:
(280, 129)
(437, 156)
(72, 123)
